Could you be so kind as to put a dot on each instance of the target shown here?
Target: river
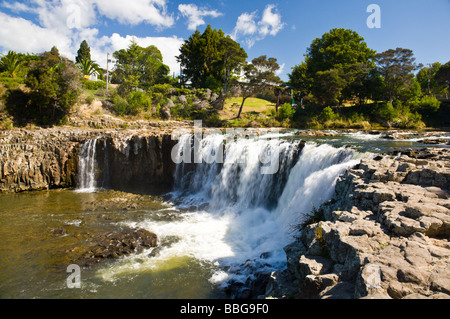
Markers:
(222, 223)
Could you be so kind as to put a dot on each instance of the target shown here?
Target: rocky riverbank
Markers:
(37, 159)
(385, 234)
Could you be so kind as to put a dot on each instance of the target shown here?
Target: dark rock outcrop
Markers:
(40, 159)
(118, 244)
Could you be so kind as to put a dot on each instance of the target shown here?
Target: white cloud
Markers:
(24, 36)
(251, 30)
(65, 23)
(83, 13)
(134, 12)
(195, 15)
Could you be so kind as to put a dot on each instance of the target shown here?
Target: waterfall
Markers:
(243, 174)
(237, 201)
(257, 211)
(86, 177)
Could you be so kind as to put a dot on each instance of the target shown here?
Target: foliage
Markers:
(285, 112)
(258, 75)
(209, 60)
(337, 67)
(54, 83)
(396, 67)
(428, 80)
(89, 67)
(94, 85)
(83, 53)
(327, 114)
(443, 75)
(138, 67)
(11, 63)
(429, 104)
(133, 104)
(327, 87)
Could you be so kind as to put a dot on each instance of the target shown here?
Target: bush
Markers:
(285, 112)
(94, 85)
(120, 105)
(429, 104)
(384, 112)
(54, 86)
(327, 114)
(138, 101)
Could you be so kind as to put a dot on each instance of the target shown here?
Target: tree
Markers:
(210, 59)
(396, 67)
(328, 86)
(258, 75)
(337, 49)
(428, 80)
(443, 75)
(232, 57)
(55, 84)
(340, 56)
(11, 63)
(298, 78)
(84, 52)
(138, 67)
(88, 67)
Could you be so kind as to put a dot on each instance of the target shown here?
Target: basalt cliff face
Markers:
(383, 235)
(49, 158)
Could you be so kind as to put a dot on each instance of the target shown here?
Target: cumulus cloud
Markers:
(250, 30)
(134, 12)
(195, 15)
(65, 23)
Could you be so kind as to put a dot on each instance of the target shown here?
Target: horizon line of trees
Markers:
(338, 68)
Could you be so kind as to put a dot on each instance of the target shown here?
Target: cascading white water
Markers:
(255, 212)
(86, 176)
(236, 213)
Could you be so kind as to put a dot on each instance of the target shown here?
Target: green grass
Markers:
(251, 106)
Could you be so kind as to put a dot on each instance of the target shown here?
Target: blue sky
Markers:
(280, 29)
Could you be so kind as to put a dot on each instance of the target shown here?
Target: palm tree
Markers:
(11, 63)
(88, 67)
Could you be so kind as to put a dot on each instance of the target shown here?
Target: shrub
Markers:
(120, 105)
(384, 112)
(94, 85)
(138, 101)
(429, 104)
(285, 112)
(327, 114)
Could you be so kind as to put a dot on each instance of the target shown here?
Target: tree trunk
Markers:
(242, 106)
(278, 103)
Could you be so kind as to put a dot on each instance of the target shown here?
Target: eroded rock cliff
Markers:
(49, 158)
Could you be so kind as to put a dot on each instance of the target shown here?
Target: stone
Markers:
(313, 265)
(118, 244)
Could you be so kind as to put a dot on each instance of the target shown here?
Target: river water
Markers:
(223, 222)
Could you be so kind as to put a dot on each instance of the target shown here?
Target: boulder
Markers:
(117, 244)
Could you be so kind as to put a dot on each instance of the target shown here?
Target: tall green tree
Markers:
(258, 76)
(84, 52)
(396, 67)
(340, 56)
(210, 59)
(11, 63)
(138, 67)
(327, 87)
(428, 81)
(443, 75)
